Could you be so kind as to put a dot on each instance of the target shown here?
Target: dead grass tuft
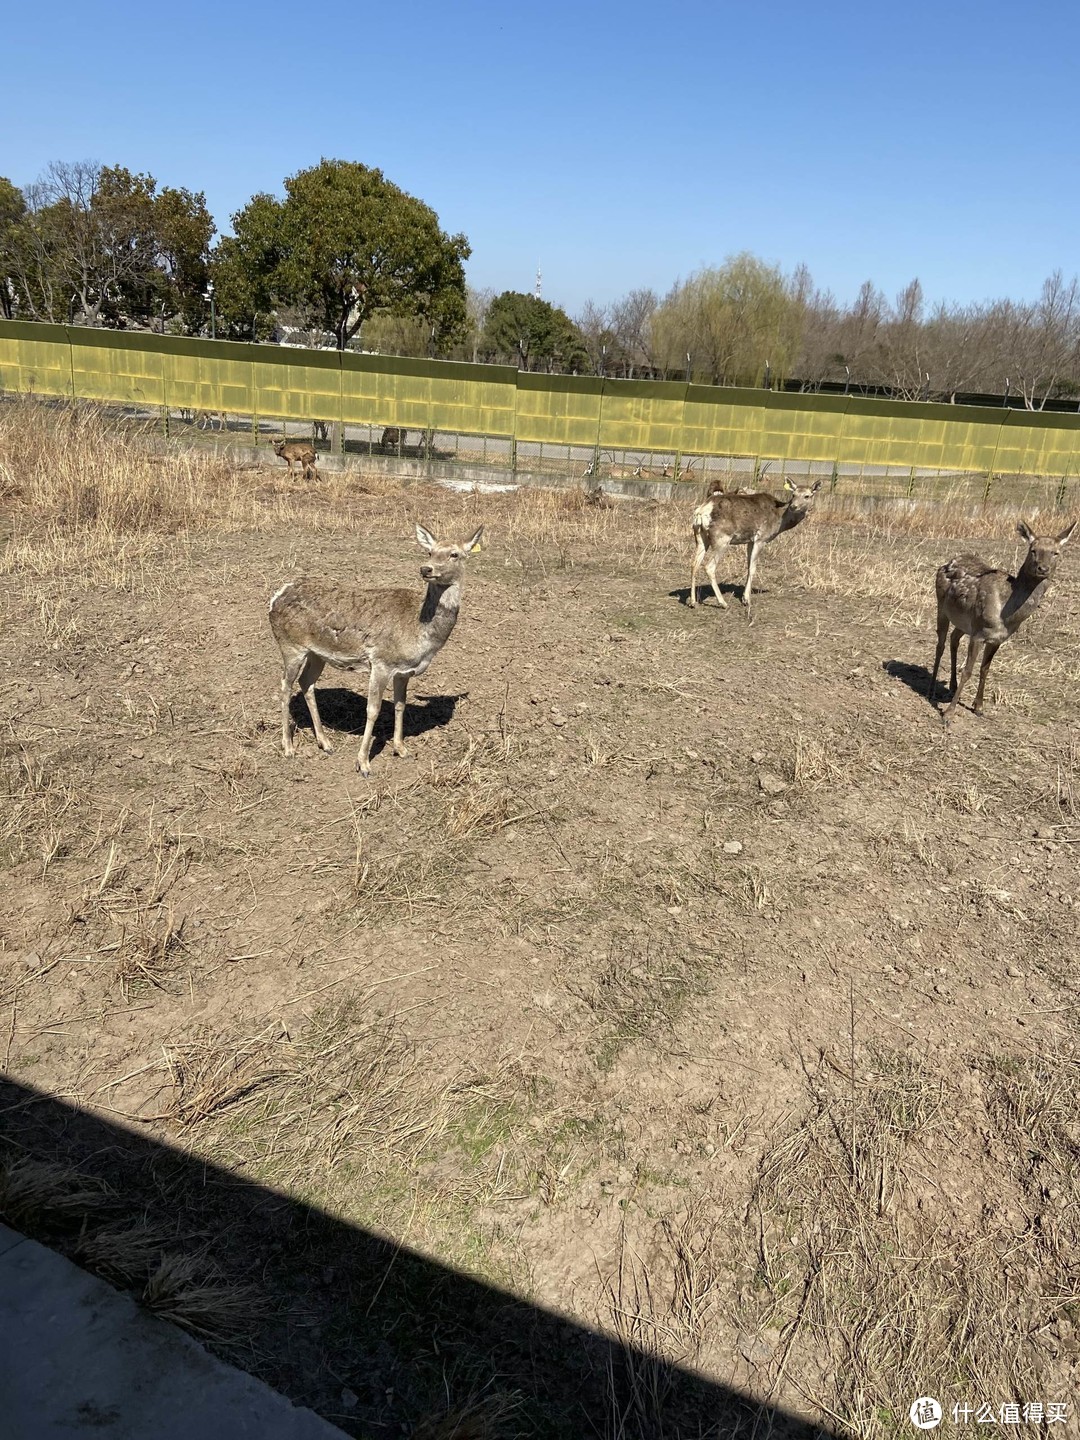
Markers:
(41, 1198)
(188, 1292)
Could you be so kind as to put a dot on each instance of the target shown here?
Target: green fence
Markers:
(278, 383)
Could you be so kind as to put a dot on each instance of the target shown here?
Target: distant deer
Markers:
(750, 518)
(988, 605)
(211, 419)
(302, 451)
(393, 438)
(395, 634)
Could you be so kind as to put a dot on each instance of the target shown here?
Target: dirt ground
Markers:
(687, 978)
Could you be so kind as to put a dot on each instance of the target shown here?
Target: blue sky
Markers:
(618, 145)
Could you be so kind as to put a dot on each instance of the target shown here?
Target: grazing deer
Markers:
(988, 605)
(211, 419)
(750, 518)
(302, 451)
(395, 634)
(393, 438)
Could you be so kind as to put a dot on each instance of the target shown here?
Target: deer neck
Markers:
(1025, 595)
(439, 610)
(790, 518)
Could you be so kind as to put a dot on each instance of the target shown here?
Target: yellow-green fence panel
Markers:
(642, 415)
(723, 422)
(558, 409)
(34, 359)
(792, 430)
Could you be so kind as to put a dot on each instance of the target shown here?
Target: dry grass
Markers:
(42, 1198)
(872, 1291)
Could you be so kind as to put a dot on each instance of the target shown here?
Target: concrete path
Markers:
(78, 1358)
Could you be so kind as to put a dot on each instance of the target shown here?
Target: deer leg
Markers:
(711, 562)
(954, 649)
(751, 561)
(313, 668)
(699, 556)
(376, 690)
(401, 685)
(294, 664)
(965, 676)
(989, 651)
(942, 636)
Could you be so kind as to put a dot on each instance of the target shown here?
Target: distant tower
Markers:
(538, 292)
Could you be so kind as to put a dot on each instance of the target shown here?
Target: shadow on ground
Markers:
(915, 677)
(345, 711)
(377, 1338)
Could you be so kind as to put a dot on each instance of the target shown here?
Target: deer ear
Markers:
(474, 543)
(425, 539)
(1026, 531)
(1063, 538)
(815, 488)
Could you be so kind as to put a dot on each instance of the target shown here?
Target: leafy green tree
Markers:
(102, 245)
(243, 268)
(12, 213)
(520, 329)
(344, 244)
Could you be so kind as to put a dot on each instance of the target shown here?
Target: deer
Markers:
(393, 438)
(211, 420)
(302, 451)
(750, 518)
(989, 605)
(393, 633)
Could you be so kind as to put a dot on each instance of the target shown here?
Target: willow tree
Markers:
(733, 320)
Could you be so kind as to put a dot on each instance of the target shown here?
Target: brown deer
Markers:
(750, 518)
(393, 438)
(302, 451)
(394, 634)
(211, 420)
(989, 605)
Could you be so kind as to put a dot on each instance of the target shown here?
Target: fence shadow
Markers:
(378, 1338)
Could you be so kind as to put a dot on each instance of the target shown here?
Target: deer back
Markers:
(740, 519)
(349, 627)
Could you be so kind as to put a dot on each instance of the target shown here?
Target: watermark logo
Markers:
(925, 1413)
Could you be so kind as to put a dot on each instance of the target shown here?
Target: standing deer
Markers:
(302, 451)
(393, 438)
(395, 634)
(743, 518)
(989, 605)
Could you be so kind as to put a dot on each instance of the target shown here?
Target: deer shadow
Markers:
(730, 589)
(917, 678)
(345, 711)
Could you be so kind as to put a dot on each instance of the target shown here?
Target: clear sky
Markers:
(620, 145)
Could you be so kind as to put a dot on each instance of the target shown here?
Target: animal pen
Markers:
(496, 419)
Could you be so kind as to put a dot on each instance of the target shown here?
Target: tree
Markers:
(732, 320)
(632, 321)
(344, 244)
(522, 330)
(12, 214)
(243, 268)
(102, 245)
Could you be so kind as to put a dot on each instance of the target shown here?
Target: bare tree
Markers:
(632, 324)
